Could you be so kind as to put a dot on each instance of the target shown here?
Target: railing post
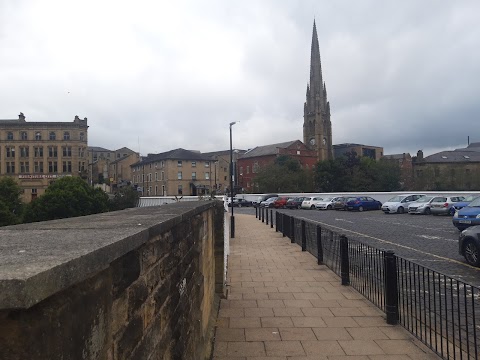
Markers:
(319, 245)
(304, 237)
(344, 260)
(283, 224)
(263, 214)
(391, 287)
(292, 229)
(277, 216)
(271, 219)
(256, 212)
(266, 216)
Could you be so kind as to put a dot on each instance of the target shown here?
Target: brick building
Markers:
(37, 153)
(406, 169)
(253, 160)
(373, 152)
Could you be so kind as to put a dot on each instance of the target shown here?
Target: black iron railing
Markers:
(443, 312)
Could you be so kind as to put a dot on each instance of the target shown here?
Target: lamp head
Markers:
(233, 123)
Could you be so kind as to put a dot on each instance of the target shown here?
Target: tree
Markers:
(67, 197)
(126, 197)
(11, 206)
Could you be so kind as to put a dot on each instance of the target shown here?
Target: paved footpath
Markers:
(281, 305)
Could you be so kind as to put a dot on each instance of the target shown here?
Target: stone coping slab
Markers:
(40, 259)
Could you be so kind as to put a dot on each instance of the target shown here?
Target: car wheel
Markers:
(329, 207)
(299, 207)
(360, 208)
(452, 212)
(472, 253)
(312, 207)
(428, 211)
(400, 210)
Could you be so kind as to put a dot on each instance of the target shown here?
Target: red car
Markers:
(280, 203)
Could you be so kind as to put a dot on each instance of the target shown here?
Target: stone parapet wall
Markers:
(135, 284)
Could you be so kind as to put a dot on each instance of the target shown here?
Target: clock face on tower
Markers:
(324, 141)
(312, 141)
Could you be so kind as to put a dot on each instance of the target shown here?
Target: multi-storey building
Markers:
(317, 127)
(37, 153)
(373, 152)
(221, 169)
(404, 162)
(176, 172)
(254, 159)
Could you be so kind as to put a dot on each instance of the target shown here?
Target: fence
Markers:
(443, 312)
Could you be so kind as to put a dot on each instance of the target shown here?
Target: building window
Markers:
(207, 176)
(38, 151)
(52, 151)
(67, 166)
(194, 164)
(255, 167)
(162, 164)
(38, 136)
(10, 167)
(163, 190)
(194, 175)
(156, 190)
(248, 169)
(38, 167)
(52, 136)
(179, 163)
(156, 178)
(24, 135)
(10, 135)
(66, 135)
(207, 163)
(52, 167)
(241, 170)
(34, 191)
(298, 152)
(24, 167)
(24, 151)
(81, 166)
(179, 175)
(81, 153)
(162, 176)
(10, 150)
(180, 190)
(82, 136)
(67, 151)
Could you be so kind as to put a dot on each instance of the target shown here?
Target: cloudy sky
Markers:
(158, 75)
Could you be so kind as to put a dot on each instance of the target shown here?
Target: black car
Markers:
(469, 245)
(240, 203)
(294, 203)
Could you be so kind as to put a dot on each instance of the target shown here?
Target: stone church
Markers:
(317, 128)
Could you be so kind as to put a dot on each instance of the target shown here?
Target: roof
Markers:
(267, 149)
(223, 152)
(397, 156)
(471, 147)
(176, 154)
(98, 149)
(344, 145)
(453, 156)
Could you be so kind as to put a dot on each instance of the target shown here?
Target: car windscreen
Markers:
(475, 202)
(396, 199)
(470, 198)
(424, 199)
(327, 199)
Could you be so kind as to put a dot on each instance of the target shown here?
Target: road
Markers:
(431, 241)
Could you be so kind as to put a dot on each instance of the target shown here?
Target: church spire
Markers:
(316, 81)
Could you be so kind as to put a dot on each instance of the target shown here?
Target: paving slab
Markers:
(281, 305)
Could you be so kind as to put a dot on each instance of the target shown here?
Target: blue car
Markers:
(461, 204)
(467, 216)
(361, 203)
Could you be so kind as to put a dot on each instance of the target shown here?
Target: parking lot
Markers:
(431, 241)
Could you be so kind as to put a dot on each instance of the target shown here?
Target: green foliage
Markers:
(66, 197)
(11, 206)
(353, 173)
(284, 175)
(126, 197)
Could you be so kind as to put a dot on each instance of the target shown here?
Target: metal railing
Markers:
(442, 312)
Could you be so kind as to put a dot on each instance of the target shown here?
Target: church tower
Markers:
(317, 128)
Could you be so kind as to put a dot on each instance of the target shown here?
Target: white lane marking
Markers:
(351, 222)
(394, 244)
(433, 237)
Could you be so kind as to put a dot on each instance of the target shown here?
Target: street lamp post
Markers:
(232, 218)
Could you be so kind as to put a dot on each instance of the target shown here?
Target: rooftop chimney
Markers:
(21, 117)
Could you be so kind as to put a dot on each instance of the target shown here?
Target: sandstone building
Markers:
(317, 127)
(37, 153)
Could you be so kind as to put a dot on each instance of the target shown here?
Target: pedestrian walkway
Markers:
(281, 305)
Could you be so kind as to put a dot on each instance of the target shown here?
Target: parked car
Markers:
(361, 203)
(239, 203)
(340, 203)
(469, 245)
(468, 216)
(326, 203)
(295, 203)
(398, 204)
(268, 203)
(310, 201)
(468, 199)
(421, 206)
(263, 198)
(443, 205)
(281, 202)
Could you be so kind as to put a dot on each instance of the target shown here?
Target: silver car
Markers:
(421, 206)
(444, 205)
